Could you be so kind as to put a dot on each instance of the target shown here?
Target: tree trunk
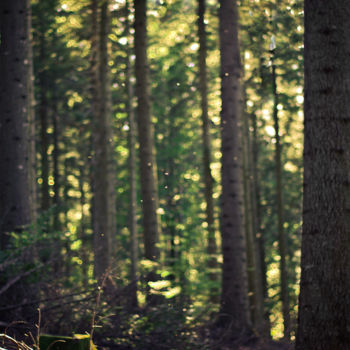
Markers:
(208, 179)
(44, 141)
(132, 166)
(260, 241)
(56, 175)
(32, 123)
(324, 302)
(234, 299)
(84, 253)
(148, 171)
(56, 224)
(15, 203)
(103, 175)
(279, 199)
(253, 254)
(43, 117)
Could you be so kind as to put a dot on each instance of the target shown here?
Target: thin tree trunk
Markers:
(279, 199)
(208, 179)
(148, 167)
(132, 166)
(32, 123)
(44, 139)
(259, 236)
(83, 235)
(56, 175)
(56, 224)
(15, 203)
(103, 174)
(253, 258)
(234, 295)
(66, 172)
(324, 302)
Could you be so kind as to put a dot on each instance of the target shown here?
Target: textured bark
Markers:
(43, 117)
(148, 167)
(44, 142)
(208, 179)
(324, 303)
(83, 234)
(32, 123)
(104, 205)
(56, 174)
(253, 254)
(15, 186)
(56, 224)
(279, 200)
(132, 166)
(234, 299)
(67, 170)
(260, 241)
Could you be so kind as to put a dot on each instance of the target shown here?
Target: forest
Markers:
(175, 174)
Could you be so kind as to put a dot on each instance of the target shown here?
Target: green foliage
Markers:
(62, 257)
(55, 342)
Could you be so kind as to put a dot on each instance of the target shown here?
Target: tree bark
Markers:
(148, 167)
(56, 174)
(324, 302)
(83, 234)
(208, 179)
(15, 188)
(234, 298)
(260, 241)
(253, 254)
(32, 123)
(104, 205)
(132, 166)
(279, 200)
(44, 122)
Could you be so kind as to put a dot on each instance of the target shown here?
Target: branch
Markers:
(17, 278)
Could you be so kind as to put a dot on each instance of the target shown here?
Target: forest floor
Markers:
(256, 345)
(249, 343)
(262, 344)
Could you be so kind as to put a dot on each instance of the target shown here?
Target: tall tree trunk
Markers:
(253, 254)
(324, 303)
(208, 179)
(103, 175)
(259, 236)
(148, 166)
(68, 251)
(56, 224)
(43, 116)
(32, 123)
(234, 297)
(44, 141)
(56, 175)
(83, 235)
(279, 199)
(132, 166)
(15, 203)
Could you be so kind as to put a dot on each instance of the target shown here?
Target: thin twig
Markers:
(18, 277)
(17, 306)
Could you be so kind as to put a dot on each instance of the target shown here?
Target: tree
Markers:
(279, 200)
(255, 279)
(44, 118)
(324, 303)
(234, 295)
(104, 203)
(148, 166)
(208, 179)
(132, 163)
(15, 110)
